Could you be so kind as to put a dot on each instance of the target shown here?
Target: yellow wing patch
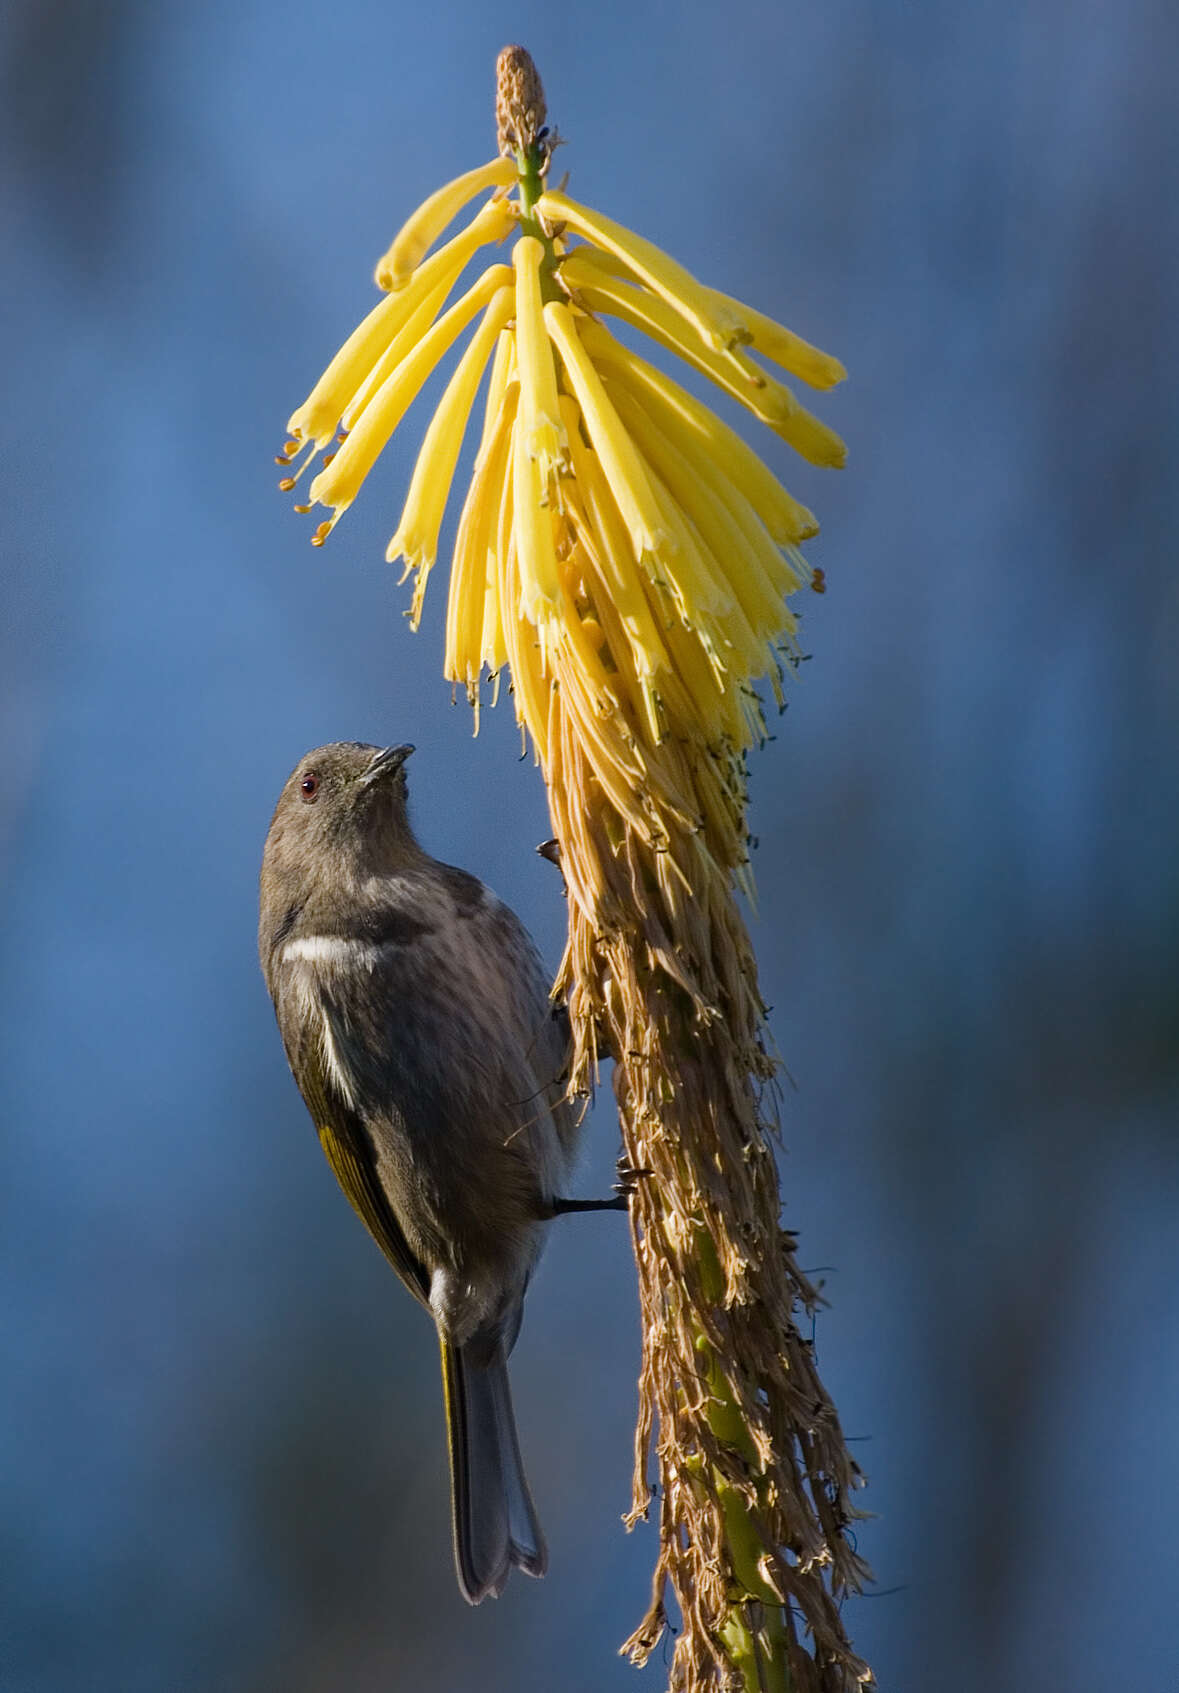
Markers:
(356, 1176)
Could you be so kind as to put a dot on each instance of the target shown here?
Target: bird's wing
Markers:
(451, 1018)
(346, 1144)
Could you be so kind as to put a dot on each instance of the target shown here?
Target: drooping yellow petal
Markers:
(402, 344)
(475, 538)
(317, 417)
(742, 566)
(543, 431)
(536, 555)
(637, 685)
(681, 413)
(774, 341)
(600, 530)
(783, 567)
(417, 533)
(719, 326)
(769, 401)
(582, 636)
(494, 651)
(337, 484)
(419, 232)
(695, 580)
(501, 366)
(612, 444)
(704, 699)
(530, 686)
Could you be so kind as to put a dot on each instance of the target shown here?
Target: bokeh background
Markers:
(221, 1460)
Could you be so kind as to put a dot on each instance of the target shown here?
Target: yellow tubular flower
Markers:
(402, 344)
(492, 650)
(337, 484)
(419, 233)
(500, 374)
(531, 687)
(317, 417)
(774, 341)
(718, 324)
(787, 521)
(602, 531)
(619, 460)
(779, 567)
(583, 637)
(468, 573)
(417, 533)
(544, 436)
(696, 583)
(536, 556)
(717, 526)
(771, 402)
(637, 685)
(769, 337)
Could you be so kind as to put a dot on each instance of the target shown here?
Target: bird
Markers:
(417, 1020)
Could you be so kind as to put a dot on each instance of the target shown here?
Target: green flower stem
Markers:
(528, 161)
(531, 186)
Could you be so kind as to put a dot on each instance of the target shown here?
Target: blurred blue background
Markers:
(221, 1461)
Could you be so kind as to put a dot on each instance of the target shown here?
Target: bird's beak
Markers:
(388, 760)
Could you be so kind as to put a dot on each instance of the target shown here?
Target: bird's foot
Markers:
(624, 1187)
(566, 1207)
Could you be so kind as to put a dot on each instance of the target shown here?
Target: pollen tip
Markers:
(287, 483)
(819, 581)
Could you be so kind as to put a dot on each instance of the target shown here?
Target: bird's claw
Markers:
(628, 1178)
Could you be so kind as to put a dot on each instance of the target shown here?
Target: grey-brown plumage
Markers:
(417, 1021)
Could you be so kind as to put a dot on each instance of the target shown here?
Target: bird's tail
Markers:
(495, 1524)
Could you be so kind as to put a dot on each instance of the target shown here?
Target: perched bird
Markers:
(417, 1021)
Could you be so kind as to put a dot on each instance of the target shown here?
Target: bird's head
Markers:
(341, 816)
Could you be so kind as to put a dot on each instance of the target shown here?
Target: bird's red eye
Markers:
(309, 786)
